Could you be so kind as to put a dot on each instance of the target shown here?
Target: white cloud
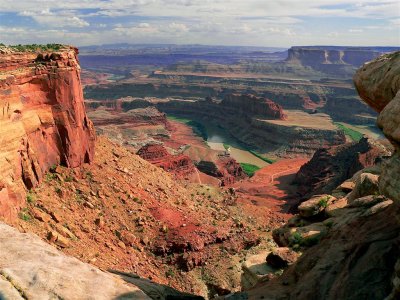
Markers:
(263, 22)
(395, 22)
(355, 30)
(56, 19)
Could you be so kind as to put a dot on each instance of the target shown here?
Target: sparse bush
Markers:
(169, 273)
(30, 198)
(89, 175)
(50, 177)
(24, 215)
(311, 241)
(35, 47)
(118, 234)
(323, 202)
(296, 239)
(329, 224)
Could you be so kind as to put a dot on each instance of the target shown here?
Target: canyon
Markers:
(199, 182)
(355, 239)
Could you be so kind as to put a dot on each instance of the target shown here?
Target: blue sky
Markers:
(280, 23)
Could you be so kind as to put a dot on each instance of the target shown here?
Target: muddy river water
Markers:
(217, 137)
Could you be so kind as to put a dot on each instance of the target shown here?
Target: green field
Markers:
(226, 146)
(351, 133)
(266, 159)
(249, 169)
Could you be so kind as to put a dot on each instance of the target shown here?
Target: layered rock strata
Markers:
(180, 165)
(253, 106)
(42, 120)
(283, 138)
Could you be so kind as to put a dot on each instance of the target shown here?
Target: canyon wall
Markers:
(42, 120)
(336, 61)
(315, 56)
(252, 106)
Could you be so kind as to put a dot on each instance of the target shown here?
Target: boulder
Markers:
(367, 201)
(377, 82)
(366, 184)
(282, 257)
(315, 205)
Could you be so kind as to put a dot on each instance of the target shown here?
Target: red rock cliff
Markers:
(42, 120)
(252, 105)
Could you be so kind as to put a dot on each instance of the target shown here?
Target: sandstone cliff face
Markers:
(253, 106)
(315, 56)
(42, 121)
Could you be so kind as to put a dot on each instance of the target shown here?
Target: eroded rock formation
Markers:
(179, 165)
(42, 120)
(227, 170)
(330, 166)
(253, 106)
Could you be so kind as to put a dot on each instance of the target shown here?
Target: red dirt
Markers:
(269, 194)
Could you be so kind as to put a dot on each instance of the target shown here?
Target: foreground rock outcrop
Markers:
(32, 269)
(42, 121)
(378, 83)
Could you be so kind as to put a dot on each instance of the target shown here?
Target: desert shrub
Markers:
(30, 198)
(296, 239)
(35, 47)
(323, 202)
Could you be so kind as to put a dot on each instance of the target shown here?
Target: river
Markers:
(217, 137)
